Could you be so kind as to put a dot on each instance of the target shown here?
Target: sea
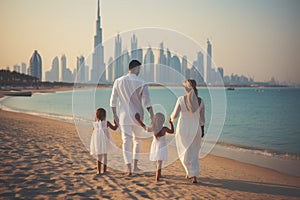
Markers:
(259, 126)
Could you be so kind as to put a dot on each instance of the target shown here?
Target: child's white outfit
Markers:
(100, 141)
(159, 149)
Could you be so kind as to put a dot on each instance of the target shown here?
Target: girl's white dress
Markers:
(159, 149)
(188, 135)
(100, 141)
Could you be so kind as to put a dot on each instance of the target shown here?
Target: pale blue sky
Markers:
(251, 37)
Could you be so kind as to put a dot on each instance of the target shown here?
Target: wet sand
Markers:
(45, 159)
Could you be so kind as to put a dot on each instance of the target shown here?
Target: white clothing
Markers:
(130, 90)
(100, 141)
(159, 149)
(130, 134)
(188, 135)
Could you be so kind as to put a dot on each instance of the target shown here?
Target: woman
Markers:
(190, 128)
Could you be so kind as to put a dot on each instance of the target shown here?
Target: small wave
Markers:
(63, 118)
(259, 151)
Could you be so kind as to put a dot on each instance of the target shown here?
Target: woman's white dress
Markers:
(100, 141)
(159, 149)
(188, 135)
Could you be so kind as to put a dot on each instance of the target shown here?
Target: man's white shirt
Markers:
(128, 94)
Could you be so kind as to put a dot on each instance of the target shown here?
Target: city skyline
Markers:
(262, 45)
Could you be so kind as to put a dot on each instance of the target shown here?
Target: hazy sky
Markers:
(257, 38)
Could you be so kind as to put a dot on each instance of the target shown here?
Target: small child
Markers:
(100, 141)
(159, 148)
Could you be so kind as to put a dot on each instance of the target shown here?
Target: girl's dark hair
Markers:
(100, 113)
(194, 85)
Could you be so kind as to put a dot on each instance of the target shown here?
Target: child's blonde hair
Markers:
(158, 122)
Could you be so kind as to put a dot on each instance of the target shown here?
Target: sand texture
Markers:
(45, 159)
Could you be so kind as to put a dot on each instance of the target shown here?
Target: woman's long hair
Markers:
(191, 91)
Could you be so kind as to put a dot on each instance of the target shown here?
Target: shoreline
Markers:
(287, 163)
(44, 158)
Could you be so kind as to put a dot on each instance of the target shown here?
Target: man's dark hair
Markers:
(134, 63)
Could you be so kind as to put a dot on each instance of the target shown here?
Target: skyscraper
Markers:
(161, 67)
(53, 73)
(118, 64)
(134, 44)
(80, 70)
(200, 68)
(176, 65)
(148, 69)
(125, 60)
(208, 63)
(17, 68)
(63, 61)
(184, 66)
(35, 65)
(98, 68)
(109, 74)
(23, 66)
(55, 69)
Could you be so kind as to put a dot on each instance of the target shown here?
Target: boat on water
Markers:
(231, 88)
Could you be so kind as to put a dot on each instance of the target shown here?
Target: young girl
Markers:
(159, 148)
(100, 141)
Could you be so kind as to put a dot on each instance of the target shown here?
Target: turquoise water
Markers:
(265, 119)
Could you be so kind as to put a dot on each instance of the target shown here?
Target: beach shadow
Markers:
(249, 186)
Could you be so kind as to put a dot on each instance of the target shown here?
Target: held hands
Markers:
(116, 123)
(116, 120)
(138, 118)
(170, 120)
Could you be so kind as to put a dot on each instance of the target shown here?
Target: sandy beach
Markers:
(45, 159)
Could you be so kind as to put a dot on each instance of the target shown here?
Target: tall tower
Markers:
(63, 68)
(118, 64)
(208, 63)
(200, 68)
(148, 70)
(98, 68)
(134, 44)
(35, 65)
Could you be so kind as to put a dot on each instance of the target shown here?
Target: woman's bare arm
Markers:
(176, 110)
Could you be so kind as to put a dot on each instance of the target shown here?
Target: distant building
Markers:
(23, 68)
(109, 74)
(221, 72)
(35, 65)
(200, 67)
(87, 74)
(53, 74)
(63, 61)
(118, 63)
(17, 68)
(175, 63)
(161, 67)
(134, 46)
(98, 67)
(148, 70)
(125, 59)
(80, 69)
(184, 66)
(209, 63)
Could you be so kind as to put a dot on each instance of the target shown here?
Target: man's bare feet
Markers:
(136, 169)
(194, 179)
(128, 174)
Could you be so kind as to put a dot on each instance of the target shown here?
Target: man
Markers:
(130, 90)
